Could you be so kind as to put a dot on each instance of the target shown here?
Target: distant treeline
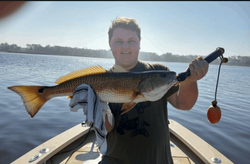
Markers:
(84, 52)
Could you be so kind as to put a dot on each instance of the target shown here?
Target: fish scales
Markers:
(111, 87)
(128, 88)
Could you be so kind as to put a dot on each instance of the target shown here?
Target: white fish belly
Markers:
(115, 97)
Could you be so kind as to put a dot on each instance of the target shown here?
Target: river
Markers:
(19, 133)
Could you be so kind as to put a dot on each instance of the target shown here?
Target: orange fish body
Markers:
(126, 87)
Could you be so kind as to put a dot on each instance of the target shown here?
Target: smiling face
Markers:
(125, 46)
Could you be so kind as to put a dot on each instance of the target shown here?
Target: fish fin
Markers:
(127, 107)
(69, 97)
(82, 72)
(32, 99)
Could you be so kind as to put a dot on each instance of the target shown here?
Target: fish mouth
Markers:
(172, 81)
(159, 92)
(169, 84)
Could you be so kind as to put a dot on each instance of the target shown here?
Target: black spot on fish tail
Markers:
(40, 90)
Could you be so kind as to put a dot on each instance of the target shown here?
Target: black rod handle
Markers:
(218, 52)
(211, 57)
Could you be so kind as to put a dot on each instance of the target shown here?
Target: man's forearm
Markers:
(187, 94)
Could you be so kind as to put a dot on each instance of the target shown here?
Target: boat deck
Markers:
(180, 153)
(75, 146)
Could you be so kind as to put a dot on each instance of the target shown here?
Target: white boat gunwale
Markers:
(54, 145)
(198, 146)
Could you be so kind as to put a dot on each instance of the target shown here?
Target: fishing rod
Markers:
(211, 57)
(214, 111)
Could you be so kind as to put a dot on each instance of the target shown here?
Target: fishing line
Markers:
(221, 58)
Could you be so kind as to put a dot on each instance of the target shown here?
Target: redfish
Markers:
(129, 88)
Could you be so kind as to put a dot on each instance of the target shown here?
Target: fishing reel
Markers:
(214, 111)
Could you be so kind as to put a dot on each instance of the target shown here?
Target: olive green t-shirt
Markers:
(140, 136)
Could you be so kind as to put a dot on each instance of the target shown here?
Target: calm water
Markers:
(19, 133)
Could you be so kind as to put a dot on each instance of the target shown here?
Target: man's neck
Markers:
(130, 66)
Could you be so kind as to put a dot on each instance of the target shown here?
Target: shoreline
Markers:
(37, 53)
(34, 53)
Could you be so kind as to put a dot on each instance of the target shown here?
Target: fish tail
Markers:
(32, 96)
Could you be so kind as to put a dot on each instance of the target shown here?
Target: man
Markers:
(142, 135)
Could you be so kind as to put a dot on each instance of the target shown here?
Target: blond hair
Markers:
(127, 23)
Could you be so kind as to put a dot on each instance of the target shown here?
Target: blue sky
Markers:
(180, 27)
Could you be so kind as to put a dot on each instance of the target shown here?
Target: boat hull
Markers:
(77, 145)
